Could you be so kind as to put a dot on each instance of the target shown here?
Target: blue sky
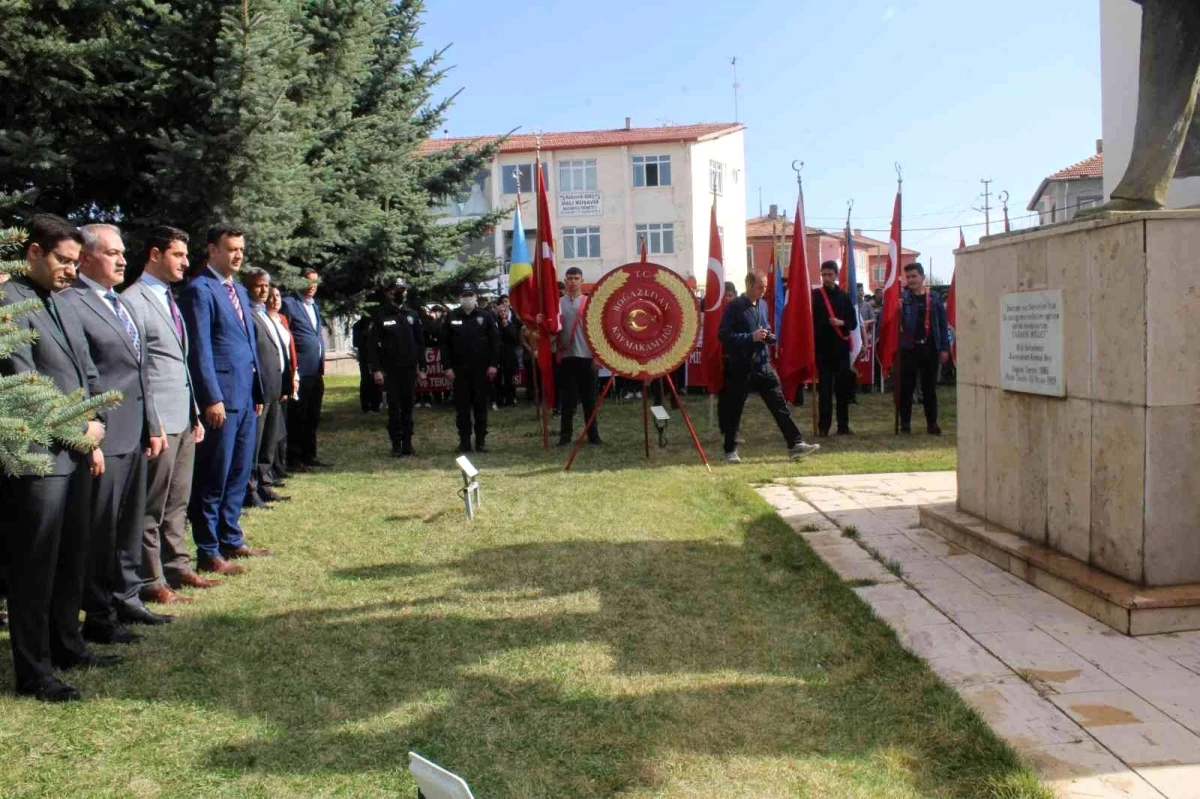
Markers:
(955, 91)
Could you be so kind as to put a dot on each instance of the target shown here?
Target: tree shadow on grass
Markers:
(571, 668)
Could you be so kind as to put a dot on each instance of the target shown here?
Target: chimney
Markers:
(857, 232)
(774, 212)
(1099, 146)
(628, 123)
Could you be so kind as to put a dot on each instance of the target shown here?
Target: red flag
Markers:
(547, 278)
(714, 307)
(797, 353)
(844, 273)
(889, 325)
(962, 243)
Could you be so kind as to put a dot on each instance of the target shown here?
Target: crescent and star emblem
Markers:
(633, 319)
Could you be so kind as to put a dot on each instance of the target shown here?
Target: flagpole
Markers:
(899, 311)
(545, 414)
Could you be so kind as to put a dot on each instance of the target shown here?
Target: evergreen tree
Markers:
(32, 409)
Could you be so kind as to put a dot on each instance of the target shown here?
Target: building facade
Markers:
(611, 189)
(1068, 191)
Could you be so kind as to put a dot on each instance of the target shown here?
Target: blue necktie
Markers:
(127, 321)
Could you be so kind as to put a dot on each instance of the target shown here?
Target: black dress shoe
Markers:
(397, 452)
(88, 660)
(301, 468)
(481, 447)
(845, 431)
(50, 689)
(463, 447)
(563, 442)
(272, 496)
(143, 615)
(596, 442)
(109, 634)
(934, 430)
(406, 448)
(317, 463)
(254, 501)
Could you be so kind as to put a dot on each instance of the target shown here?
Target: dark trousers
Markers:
(115, 563)
(919, 363)
(370, 398)
(834, 380)
(46, 529)
(401, 389)
(222, 471)
(165, 548)
(471, 393)
(576, 383)
(740, 381)
(303, 419)
(278, 458)
(267, 433)
(506, 390)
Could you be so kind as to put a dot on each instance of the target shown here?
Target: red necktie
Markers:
(237, 306)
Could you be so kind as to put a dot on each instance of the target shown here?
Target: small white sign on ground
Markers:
(1031, 342)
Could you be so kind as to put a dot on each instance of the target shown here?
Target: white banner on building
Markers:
(579, 203)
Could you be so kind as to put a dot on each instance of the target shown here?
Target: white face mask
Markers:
(468, 304)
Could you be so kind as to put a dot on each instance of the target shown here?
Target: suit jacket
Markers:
(121, 367)
(268, 359)
(310, 348)
(166, 358)
(738, 323)
(61, 356)
(833, 351)
(223, 352)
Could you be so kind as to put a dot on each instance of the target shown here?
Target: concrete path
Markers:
(1096, 713)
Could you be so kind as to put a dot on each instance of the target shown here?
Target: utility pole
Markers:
(736, 86)
(987, 208)
(760, 201)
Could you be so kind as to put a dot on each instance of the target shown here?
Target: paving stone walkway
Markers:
(1096, 713)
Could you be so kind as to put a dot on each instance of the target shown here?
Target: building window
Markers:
(581, 242)
(577, 175)
(1053, 213)
(1087, 202)
(508, 178)
(651, 170)
(879, 274)
(530, 238)
(659, 238)
(716, 176)
(750, 257)
(785, 255)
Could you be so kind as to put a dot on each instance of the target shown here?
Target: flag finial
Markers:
(899, 175)
(849, 208)
(798, 170)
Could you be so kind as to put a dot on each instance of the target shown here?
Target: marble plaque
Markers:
(1031, 342)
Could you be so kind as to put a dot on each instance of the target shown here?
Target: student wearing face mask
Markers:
(470, 353)
(395, 353)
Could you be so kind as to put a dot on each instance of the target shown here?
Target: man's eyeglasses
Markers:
(64, 260)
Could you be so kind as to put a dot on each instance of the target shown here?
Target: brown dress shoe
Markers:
(246, 552)
(163, 596)
(220, 566)
(190, 579)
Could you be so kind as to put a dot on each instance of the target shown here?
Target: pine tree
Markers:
(32, 409)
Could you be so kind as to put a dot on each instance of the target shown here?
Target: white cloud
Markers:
(889, 14)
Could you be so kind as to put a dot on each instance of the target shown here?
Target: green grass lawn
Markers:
(631, 628)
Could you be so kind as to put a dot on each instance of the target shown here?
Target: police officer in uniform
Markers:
(395, 353)
(470, 352)
(924, 342)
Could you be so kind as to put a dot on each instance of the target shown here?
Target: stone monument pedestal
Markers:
(1093, 495)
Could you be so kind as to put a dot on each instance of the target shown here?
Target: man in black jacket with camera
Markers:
(745, 336)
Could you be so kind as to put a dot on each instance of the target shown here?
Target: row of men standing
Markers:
(104, 531)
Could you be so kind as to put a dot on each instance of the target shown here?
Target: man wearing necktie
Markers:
(166, 557)
(117, 347)
(924, 343)
(304, 320)
(224, 365)
(47, 518)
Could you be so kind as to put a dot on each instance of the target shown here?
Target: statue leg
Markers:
(1189, 159)
(1168, 81)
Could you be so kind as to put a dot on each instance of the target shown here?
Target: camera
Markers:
(771, 338)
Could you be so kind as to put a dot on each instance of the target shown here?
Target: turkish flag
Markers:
(714, 307)
(547, 289)
(889, 325)
(797, 347)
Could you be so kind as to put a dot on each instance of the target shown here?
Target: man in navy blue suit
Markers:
(304, 319)
(224, 366)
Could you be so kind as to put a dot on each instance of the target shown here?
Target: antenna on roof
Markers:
(736, 86)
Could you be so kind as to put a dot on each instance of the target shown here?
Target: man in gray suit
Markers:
(271, 364)
(45, 525)
(167, 566)
(118, 347)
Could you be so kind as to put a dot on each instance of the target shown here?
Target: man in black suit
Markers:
(46, 519)
(117, 344)
(304, 319)
(272, 361)
(833, 321)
